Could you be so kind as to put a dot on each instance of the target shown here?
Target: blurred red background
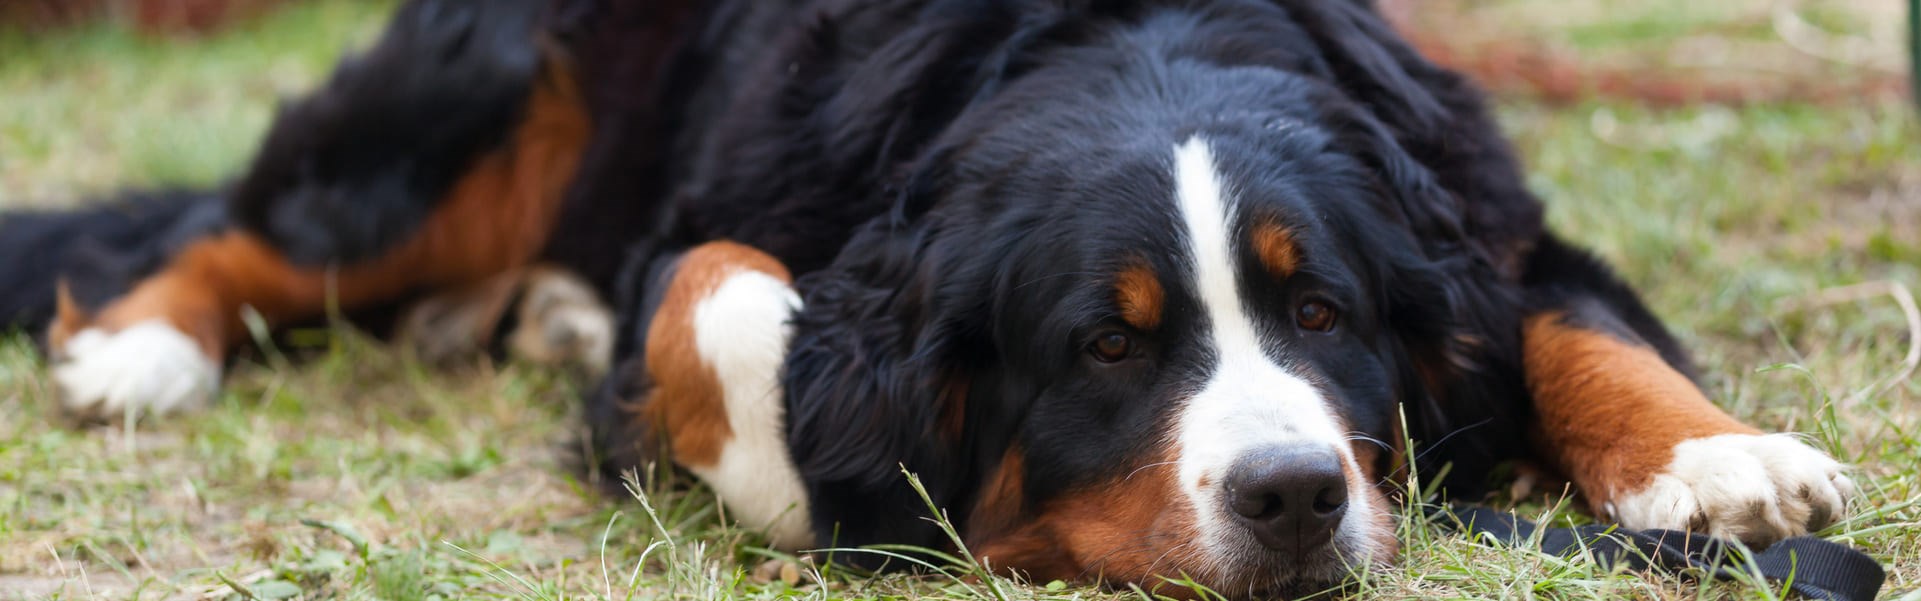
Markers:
(159, 17)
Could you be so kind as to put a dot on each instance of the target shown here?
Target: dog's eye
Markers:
(1315, 315)
(1111, 347)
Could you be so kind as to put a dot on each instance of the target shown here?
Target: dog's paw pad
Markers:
(150, 368)
(1755, 488)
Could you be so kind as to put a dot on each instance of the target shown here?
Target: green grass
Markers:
(359, 475)
(100, 107)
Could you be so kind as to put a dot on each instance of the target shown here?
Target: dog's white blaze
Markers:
(1248, 401)
(741, 331)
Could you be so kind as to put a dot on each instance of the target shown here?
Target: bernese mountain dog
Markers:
(1135, 288)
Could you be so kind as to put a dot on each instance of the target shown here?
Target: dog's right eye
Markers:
(1111, 347)
(1316, 316)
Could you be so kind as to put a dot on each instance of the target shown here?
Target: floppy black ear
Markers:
(100, 251)
(876, 380)
(1437, 121)
(1433, 278)
(1454, 315)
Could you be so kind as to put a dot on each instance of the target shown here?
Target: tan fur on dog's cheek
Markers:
(1114, 532)
(1386, 539)
(1006, 538)
(1001, 507)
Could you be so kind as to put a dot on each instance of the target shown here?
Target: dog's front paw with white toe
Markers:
(149, 368)
(1752, 487)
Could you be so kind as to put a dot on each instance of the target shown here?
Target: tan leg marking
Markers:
(687, 403)
(1648, 449)
(1610, 411)
(715, 348)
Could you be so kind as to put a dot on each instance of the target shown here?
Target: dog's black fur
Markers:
(99, 251)
(936, 171)
(866, 150)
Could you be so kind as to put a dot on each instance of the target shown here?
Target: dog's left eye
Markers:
(1111, 347)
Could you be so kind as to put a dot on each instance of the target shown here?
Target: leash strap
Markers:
(1813, 567)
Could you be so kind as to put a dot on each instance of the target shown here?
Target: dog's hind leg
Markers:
(336, 228)
(1620, 416)
(706, 387)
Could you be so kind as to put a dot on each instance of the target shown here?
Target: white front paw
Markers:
(1751, 487)
(148, 369)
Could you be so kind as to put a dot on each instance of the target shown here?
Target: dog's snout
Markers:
(1290, 497)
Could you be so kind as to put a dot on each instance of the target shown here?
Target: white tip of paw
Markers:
(1751, 487)
(741, 331)
(148, 369)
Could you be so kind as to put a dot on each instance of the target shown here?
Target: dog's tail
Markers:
(95, 252)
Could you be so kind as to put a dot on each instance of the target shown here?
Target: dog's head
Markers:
(1139, 312)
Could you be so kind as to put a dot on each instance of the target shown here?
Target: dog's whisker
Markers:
(1437, 443)
(1156, 564)
(1360, 437)
(1130, 475)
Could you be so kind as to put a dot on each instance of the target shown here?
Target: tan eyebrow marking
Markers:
(1274, 246)
(1138, 293)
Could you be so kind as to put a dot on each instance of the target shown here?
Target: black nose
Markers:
(1290, 497)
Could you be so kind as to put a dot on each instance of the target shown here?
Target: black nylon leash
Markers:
(1813, 567)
